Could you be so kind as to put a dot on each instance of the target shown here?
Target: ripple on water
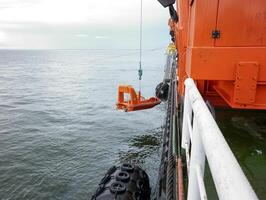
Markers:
(59, 128)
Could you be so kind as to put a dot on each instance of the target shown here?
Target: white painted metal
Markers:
(185, 141)
(186, 114)
(229, 179)
(197, 159)
(190, 131)
(187, 158)
(201, 185)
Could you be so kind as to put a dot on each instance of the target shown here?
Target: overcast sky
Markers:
(78, 24)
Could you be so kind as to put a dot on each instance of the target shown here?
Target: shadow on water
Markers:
(140, 147)
(245, 132)
(144, 150)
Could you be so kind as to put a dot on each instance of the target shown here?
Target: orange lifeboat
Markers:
(135, 102)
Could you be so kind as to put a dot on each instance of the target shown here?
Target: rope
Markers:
(140, 49)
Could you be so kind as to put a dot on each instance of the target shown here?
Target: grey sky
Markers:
(81, 24)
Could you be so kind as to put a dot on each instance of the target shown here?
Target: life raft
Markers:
(135, 102)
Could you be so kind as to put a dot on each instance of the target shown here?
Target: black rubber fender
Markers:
(126, 182)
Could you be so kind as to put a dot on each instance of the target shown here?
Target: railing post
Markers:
(187, 113)
(197, 162)
(229, 179)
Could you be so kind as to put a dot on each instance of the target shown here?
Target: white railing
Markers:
(201, 138)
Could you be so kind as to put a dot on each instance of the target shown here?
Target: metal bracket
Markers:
(246, 83)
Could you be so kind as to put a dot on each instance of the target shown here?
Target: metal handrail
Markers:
(208, 142)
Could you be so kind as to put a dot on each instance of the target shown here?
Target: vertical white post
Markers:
(187, 113)
(202, 190)
(197, 162)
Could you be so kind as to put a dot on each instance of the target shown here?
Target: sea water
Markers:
(60, 131)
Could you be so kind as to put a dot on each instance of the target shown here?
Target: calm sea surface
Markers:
(60, 132)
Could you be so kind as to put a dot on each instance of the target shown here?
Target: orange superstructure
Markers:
(222, 45)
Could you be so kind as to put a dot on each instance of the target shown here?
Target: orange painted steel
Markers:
(222, 45)
(136, 102)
